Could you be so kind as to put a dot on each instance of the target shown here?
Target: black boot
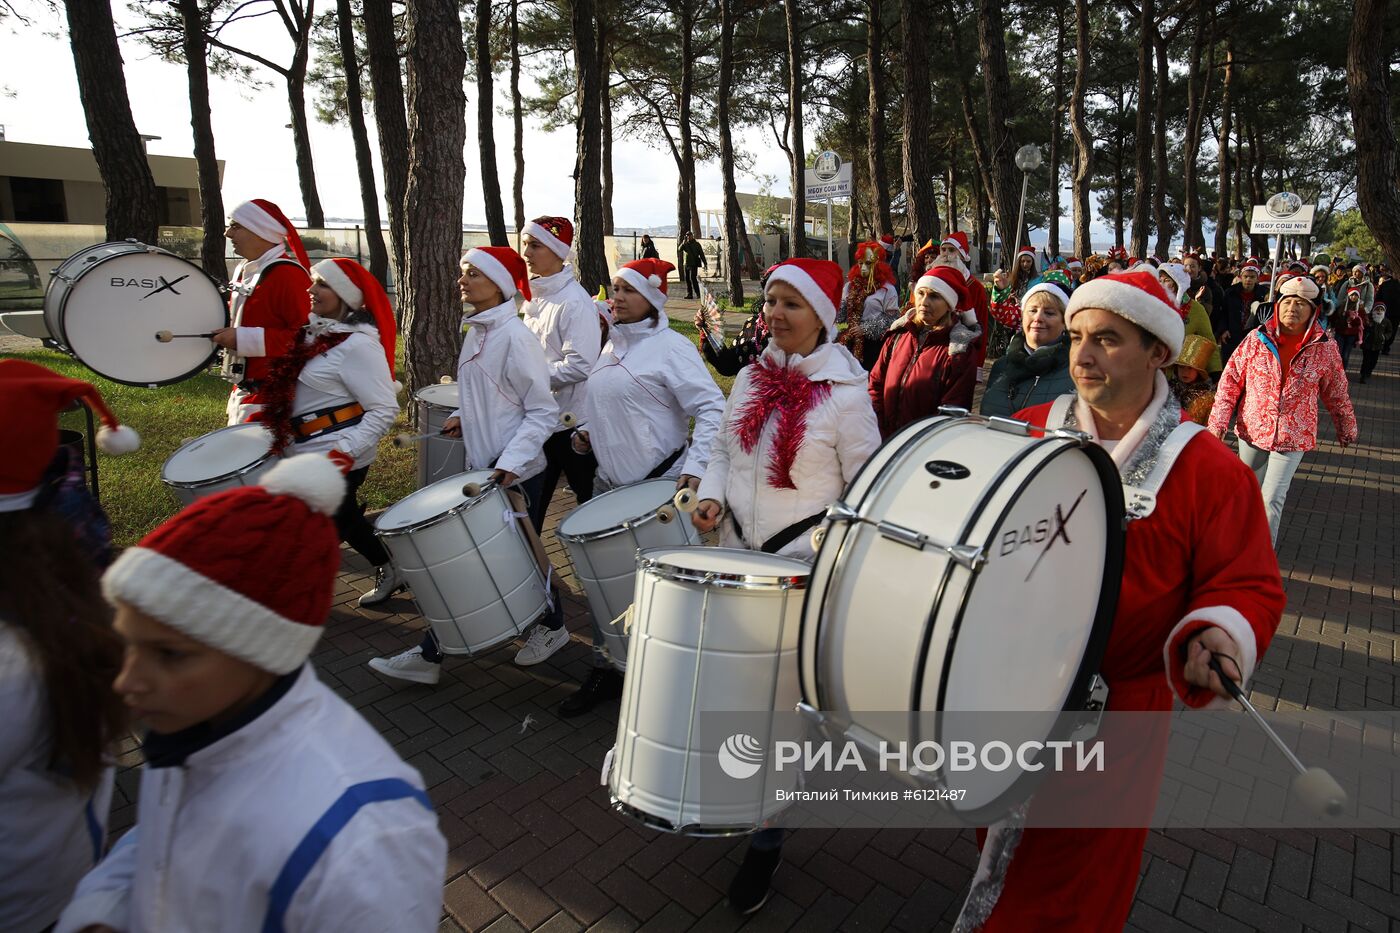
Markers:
(603, 683)
(753, 883)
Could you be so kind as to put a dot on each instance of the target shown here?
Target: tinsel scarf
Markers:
(788, 392)
(281, 388)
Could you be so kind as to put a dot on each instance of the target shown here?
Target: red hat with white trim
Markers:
(648, 276)
(31, 397)
(362, 292)
(557, 233)
(948, 283)
(818, 281)
(1250, 263)
(887, 244)
(958, 240)
(1026, 250)
(1137, 296)
(503, 266)
(250, 571)
(266, 219)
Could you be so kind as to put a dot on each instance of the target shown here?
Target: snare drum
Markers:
(969, 568)
(438, 456)
(603, 537)
(713, 630)
(222, 459)
(104, 305)
(471, 569)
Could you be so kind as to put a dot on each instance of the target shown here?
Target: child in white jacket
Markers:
(266, 802)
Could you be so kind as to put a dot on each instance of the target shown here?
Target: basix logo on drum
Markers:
(156, 285)
(741, 756)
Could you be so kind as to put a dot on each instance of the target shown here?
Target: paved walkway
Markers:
(534, 845)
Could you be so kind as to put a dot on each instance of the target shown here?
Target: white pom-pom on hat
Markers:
(654, 281)
(119, 440)
(312, 478)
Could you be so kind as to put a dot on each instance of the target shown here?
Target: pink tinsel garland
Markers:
(792, 395)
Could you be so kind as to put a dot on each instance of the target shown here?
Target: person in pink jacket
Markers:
(1274, 379)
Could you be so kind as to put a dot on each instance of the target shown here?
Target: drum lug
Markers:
(810, 713)
(1138, 503)
(953, 411)
(841, 512)
(1009, 426)
(1086, 721)
(964, 555)
(1079, 437)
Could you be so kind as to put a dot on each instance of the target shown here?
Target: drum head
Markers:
(616, 506)
(109, 315)
(217, 454)
(429, 502)
(441, 395)
(728, 565)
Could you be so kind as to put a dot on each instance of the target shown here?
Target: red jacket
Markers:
(280, 306)
(910, 381)
(982, 304)
(1281, 414)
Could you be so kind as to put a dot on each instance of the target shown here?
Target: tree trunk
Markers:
(1197, 91)
(733, 218)
(1142, 134)
(605, 99)
(1222, 209)
(991, 39)
(1239, 205)
(485, 128)
(437, 135)
(518, 116)
(588, 202)
(1057, 131)
(974, 134)
(950, 188)
(391, 124)
(1082, 175)
(981, 215)
(1256, 180)
(301, 138)
(211, 198)
(879, 179)
(797, 233)
(685, 28)
(921, 202)
(116, 145)
(1159, 136)
(1118, 184)
(369, 191)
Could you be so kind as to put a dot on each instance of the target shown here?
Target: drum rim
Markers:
(186, 484)
(627, 524)
(60, 323)
(721, 580)
(418, 397)
(440, 517)
(666, 826)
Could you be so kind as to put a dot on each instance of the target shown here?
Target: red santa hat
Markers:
(648, 276)
(816, 280)
(265, 219)
(958, 240)
(503, 266)
(30, 399)
(1026, 250)
(1137, 296)
(557, 233)
(947, 283)
(362, 291)
(1251, 263)
(250, 571)
(1074, 262)
(887, 244)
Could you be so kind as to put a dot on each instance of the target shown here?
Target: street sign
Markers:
(829, 177)
(1284, 214)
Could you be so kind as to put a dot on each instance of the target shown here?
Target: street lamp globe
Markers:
(1236, 214)
(1028, 158)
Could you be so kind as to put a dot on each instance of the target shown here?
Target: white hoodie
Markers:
(354, 370)
(562, 316)
(647, 384)
(504, 401)
(841, 434)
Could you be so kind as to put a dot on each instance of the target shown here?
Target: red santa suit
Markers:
(1202, 557)
(977, 297)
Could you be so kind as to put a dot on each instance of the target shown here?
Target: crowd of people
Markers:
(201, 632)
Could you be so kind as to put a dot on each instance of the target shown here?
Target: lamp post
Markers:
(1027, 160)
(1237, 215)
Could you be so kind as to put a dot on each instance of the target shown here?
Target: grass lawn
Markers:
(132, 493)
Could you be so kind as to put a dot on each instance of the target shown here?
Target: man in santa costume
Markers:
(267, 300)
(1199, 579)
(565, 319)
(953, 251)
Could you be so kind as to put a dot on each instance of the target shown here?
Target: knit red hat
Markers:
(648, 276)
(958, 240)
(816, 280)
(1137, 296)
(266, 219)
(30, 399)
(501, 265)
(249, 571)
(555, 232)
(360, 290)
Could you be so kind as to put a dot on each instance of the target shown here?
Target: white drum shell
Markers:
(437, 456)
(472, 573)
(699, 648)
(223, 459)
(605, 561)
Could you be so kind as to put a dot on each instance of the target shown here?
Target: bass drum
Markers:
(970, 568)
(105, 304)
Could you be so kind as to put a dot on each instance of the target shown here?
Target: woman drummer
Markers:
(646, 386)
(797, 427)
(334, 393)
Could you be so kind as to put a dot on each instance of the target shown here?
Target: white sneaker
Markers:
(410, 665)
(387, 582)
(541, 644)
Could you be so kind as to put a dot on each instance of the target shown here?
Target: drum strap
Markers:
(1059, 409)
(316, 423)
(664, 465)
(1171, 449)
(784, 537)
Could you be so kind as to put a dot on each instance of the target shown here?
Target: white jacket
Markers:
(841, 434)
(647, 384)
(884, 300)
(304, 810)
(562, 315)
(354, 370)
(504, 401)
(51, 833)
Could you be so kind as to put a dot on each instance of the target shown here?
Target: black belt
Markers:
(785, 536)
(666, 464)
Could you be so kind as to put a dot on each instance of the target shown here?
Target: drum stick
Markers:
(568, 419)
(445, 381)
(472, 490)
(685, 499)
(1317, 789)
(404, 440)
(165, 336)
